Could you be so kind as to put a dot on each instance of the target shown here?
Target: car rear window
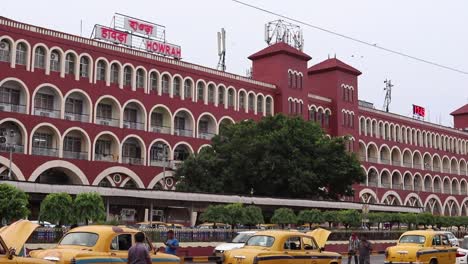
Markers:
(415, 239)
(242, 238)
(80, 239)
(262, 241)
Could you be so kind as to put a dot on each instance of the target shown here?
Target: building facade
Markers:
(76, 111)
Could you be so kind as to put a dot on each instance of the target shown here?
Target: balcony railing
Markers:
(160, 129)
(15, 108)
(15, 148)
(106, 157)
(183, 132)
(206, 135)
(107, 121)
(159, 163)
(373, 184)
(396, 163)
(385, 185)
(437, 190)
(75, 155)
(397, 186)
(133, 125)
(132, 160)
(385, 161)
(407, 164)
(77, 117)
(372, 160)
(47, 112)
(41, 151)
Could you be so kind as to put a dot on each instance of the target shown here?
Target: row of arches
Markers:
(320, 115)
(409, 181)
(411, 159)
(432, 204)
(76, 105)
(372, 127)
(126, 75)
(75, 143)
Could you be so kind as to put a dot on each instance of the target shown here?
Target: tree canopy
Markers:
(293, 156)
(214, 214)
(13, 203)
(253, 215)
(284, 216)
(57, 208)
(89, 207)
(310, 217)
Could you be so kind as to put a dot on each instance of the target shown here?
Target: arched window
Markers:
(231, 98)
(296, 80)
(200, 92)
(300, 81)
(290, 104)
(260, 105)
(140, 78)
(290, 79)
(127, 76)
(39, 58)
(165, 84)
(312, 114)
(115, 72)
(326, 119)
(211, 93)
(345, 119)
(154, 82)
(5, 51)
(269, 110)
(101, 71)
(84, 67)
(351, 120)
(176, 87)
(319, 117)
(21, 54)
(251, 102)
(221, 91)
(187, 88)
(242, 100)
(55, 61)
(70, 64)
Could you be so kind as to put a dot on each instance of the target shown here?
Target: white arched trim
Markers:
(169, 150)
(120, 170)
(413, 195)
(25, 89)
(81, 92)
(203, 146)
(49, 125)
(14, 168)
(159, 177)
(194, 125)
(388, 193)
(88, 140)
(60, 164)
(24, 131)
(213, 119)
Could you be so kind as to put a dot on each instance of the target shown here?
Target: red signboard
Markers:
(419, 111)
(139, 26)
(113, 35)
(163, 48)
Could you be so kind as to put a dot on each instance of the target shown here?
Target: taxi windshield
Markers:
(242, 237)
(415, 239)
(80, 239)
(262, 241)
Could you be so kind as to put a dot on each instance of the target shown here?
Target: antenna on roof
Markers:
(388, 95)
(222, 50)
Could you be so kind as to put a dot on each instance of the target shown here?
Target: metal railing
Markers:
(77, 117)
(106, 157)
(206, 135)
(385, 161)
(47, 112)
(6, 147)
(396, 163)
(107, 121)
(14, 108)
(75, 155)
(161, 129)
(407, 165)
(52, 152)
(373, 184)
(183, 132)
(132, 160)
(372, 160)
(159, 163)
(133, 125)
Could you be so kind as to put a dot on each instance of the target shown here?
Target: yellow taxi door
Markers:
(3, 255)
(293, 247)
(314, 256)
(440, 254)
(119, 248)
(448, 254)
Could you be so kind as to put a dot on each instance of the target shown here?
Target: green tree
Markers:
(331, 217)
(310, 217)
(294, 156)
(376, 218)
(57, 208)
(426, 219)
(350, 218)
(215, 214)
(13, 203)
(284, 216)
(235, 213)
(252, 216)
(89, 207)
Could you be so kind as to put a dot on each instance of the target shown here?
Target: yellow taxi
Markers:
(285, 247)
(422, 247)
(12, 240)
(98, 244)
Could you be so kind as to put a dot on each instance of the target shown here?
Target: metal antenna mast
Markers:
(282, 31)
(222, 50)
(388, 95)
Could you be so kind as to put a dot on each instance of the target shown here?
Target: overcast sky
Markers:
(433, 30)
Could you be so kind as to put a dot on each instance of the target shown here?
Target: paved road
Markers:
(377, 259)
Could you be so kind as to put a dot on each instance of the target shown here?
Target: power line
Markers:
(353, 39)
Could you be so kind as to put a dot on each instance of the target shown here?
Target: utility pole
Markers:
(388, 95)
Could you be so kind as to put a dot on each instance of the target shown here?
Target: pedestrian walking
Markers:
(172, 243)
(365, 249)
(353, 248)
(138, 253)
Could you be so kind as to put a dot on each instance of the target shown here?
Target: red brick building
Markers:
(79, 111)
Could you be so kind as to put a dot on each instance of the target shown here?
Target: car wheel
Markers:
(433, 261)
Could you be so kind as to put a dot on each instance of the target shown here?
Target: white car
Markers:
(462, 252)
(237, 242)
(43, 224)
(453, 239)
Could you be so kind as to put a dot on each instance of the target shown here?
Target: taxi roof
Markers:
(279, 233)
(423, 232)
(104, 229)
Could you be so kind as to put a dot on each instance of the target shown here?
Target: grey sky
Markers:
(434, 30)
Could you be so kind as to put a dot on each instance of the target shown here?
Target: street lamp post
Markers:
(12, 148)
